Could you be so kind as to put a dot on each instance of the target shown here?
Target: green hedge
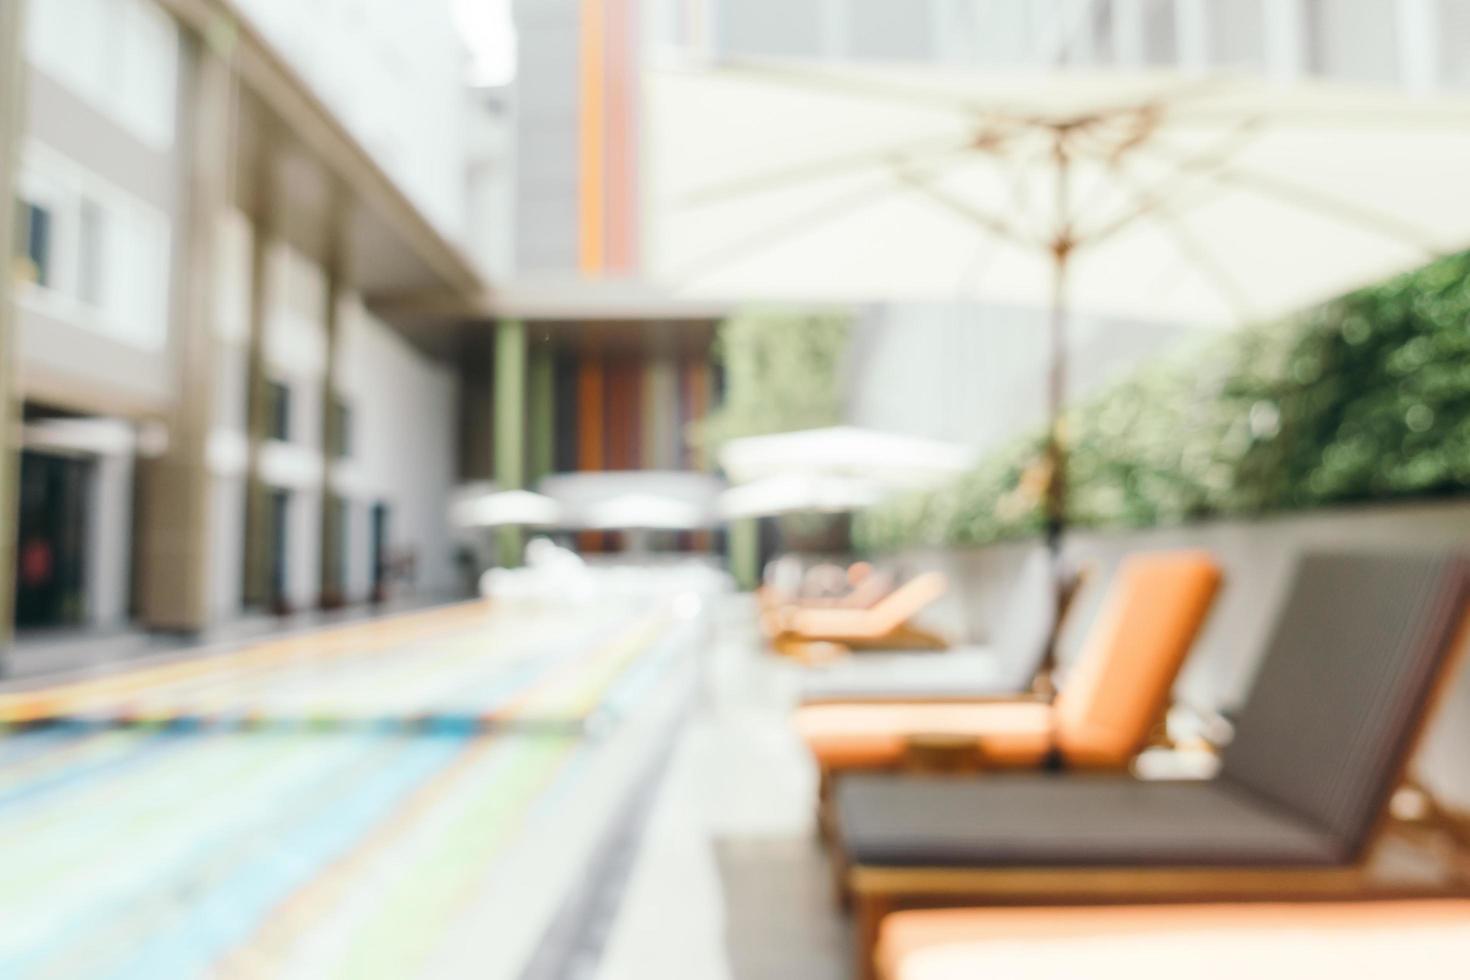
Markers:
(1366, 398)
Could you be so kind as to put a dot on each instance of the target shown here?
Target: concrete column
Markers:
(836, 29)
(1419, 40)
(1128, 51)
(174, 540)
(334, 269)
(258, 516)
(744, 552)
(510, 423)
(541, 412)
(1286, 47)
(12, 102)
(660, 414)
(1192, 26)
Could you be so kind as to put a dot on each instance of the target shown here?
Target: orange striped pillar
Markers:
(621, 146)
(607, 138)
(592, 138)
(624, 413)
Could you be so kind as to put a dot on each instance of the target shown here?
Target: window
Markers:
(101, 254)
(278, 409)
(341, 444)
(34, 259)
(89, 256)
(120, 55)
(343, 537)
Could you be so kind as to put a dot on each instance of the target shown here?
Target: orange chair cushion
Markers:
(1347, 940)
(1121, 684)
(877, 736)
(1118, 691)
(883, 617)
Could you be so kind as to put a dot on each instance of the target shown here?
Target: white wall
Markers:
(1356, 40)
(977, 375)
(122, 56)
(109, 540)
(546, 136)
(402, 441)
(392, 71)
(403, 409)
(100, 159)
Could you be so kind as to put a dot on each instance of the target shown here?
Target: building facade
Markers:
(240, 223)
(200, 332)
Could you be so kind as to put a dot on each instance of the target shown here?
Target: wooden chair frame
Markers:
(875, 891)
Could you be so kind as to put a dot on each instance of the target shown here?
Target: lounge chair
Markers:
(867, 587)
(1007, 666)
(1424, 939)
(1103, 717)
(887, 624)
(1360, 648)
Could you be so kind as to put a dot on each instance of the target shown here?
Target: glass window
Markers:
(120, 55)
(279, 412)
(92, 229)
(341, 429)
(33, 263)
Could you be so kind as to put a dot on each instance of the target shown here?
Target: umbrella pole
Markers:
(1055, 503)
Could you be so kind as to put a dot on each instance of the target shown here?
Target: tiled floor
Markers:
(289, 847)
(669, 837)
(730, 881)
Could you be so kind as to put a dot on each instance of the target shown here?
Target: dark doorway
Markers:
(338, 516)
(51, 544)
(280, 526)
(378, 553)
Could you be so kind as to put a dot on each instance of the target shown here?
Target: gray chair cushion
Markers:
(1347, 673)
(974, 672)
(1041, 820)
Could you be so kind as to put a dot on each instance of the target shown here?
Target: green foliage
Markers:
(781, 375)
(1366, 398)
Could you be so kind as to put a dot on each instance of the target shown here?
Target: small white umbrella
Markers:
(800, 493)
(643, 512)
(885, 458)
(507, 508)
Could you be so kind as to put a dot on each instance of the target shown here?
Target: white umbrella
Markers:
(507, 508)
(798, 493)
(1199, 200)
(643, 511)
(845, 451)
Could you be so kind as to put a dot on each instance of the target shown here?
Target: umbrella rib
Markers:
(992, 223)
(776, 179)
(794, 226)
(1214, 273)
(1310, 199)
(1195, 165)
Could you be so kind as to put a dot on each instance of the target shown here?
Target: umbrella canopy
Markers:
(643, 512)
(1204, 200)
(800, 493)
(884, 458)
(507, 508)
(1200, 200)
